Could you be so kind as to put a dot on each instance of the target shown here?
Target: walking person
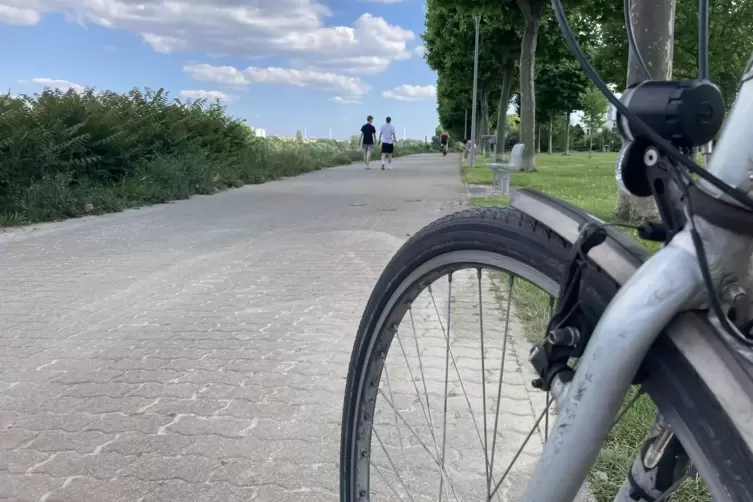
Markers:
(368, 140)
(388, 139)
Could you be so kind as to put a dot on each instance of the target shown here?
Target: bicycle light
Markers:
(630, 169)
(687, 113)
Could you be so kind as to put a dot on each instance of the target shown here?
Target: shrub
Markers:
(67, 154)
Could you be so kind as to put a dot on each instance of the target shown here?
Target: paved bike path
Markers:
(198, 350)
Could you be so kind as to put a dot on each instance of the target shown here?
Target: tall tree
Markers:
(449, 39)
(531, 10)
(594, 106)
(653, 24)
(560, 81)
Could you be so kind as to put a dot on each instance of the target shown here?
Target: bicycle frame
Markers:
(667, 284)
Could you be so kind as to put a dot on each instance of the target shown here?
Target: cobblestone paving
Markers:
(197, 351)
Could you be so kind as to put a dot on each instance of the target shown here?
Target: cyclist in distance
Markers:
(444, 139)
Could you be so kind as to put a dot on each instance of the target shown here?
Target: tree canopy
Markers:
(550, 90)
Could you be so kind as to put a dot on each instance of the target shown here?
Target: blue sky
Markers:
(282, 65)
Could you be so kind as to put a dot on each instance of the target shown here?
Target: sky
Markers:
(281, 65)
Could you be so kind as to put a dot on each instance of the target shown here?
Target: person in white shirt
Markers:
(388, 138)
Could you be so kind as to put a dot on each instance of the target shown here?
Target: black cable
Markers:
(633, 45)
(700, 251)
(703, 39)
(664, 145)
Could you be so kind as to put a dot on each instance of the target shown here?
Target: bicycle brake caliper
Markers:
(567, 334)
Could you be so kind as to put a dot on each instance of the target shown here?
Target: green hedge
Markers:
(67, 154)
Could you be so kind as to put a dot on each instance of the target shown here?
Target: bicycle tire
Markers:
(706, 432)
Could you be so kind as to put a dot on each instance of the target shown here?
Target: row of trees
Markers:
(523, 57)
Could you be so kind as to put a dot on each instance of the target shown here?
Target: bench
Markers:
(502, 172)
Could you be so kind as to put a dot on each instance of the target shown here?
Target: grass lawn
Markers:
(589, 183)
(586, 182)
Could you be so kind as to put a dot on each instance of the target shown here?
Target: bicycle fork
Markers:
(668, 283)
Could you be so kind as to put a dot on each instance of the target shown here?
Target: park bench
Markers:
(501, 172)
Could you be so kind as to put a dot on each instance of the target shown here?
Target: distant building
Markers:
(259, 132)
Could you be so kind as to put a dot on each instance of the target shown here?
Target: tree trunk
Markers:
(531, 10)
(504, 100)
(550, 136)
(590, 141)
(653, 24)
(538, 138)
(567, 134)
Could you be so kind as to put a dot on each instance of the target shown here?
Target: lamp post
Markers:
(465, 125)
(477, 23)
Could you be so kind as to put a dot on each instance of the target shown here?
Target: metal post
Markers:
(465, 126)
(477, 22)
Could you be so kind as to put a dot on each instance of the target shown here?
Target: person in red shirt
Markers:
(445, 139)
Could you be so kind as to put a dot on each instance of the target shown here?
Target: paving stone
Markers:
(198, 350)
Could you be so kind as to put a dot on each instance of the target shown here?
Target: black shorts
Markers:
(388, 148)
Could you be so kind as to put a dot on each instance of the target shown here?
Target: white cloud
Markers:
(383, 1)
(208, 95)
(411, 92)
(293, 30)
(63, 85)
(230, 75)
(347, 100)
(15, 15)
(419, 50)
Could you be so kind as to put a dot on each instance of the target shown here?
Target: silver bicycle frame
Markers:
(648, 303)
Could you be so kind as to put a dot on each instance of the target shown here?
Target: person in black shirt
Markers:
(368, 138)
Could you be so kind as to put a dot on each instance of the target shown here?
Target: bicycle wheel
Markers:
(469, 247)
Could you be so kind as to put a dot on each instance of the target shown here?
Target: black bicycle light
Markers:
(687, 113)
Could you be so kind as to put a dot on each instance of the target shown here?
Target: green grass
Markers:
(590, 184)
(586, 182)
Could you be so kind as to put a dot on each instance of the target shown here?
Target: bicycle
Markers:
(688, 345)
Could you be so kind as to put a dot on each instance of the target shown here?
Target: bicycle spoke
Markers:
(483, 382)
(423, 445)
(427, 417)
(510, 286)
(520, 450)
(423, 382)
(446, 376)
(389, 459)
(628, 406)
(399, 435)
(454, 364)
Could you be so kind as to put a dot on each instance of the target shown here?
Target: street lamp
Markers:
(465, 126)
(477, 23)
